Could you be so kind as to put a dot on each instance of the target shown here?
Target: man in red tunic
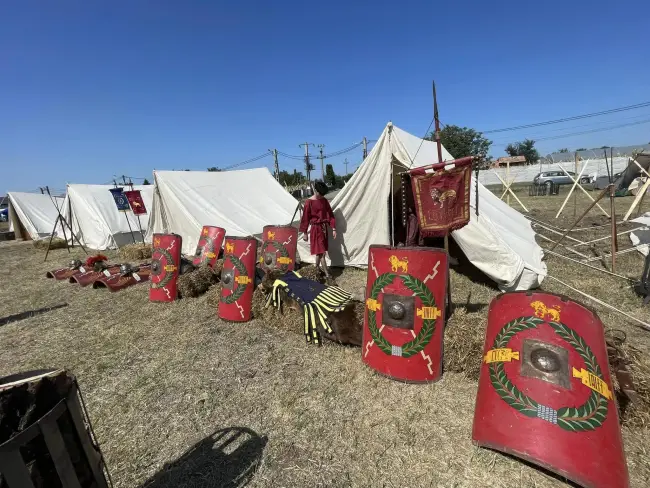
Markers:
(316, 216)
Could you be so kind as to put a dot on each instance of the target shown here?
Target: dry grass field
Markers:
(180, 399)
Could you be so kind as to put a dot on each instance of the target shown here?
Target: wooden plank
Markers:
(93, 457)
(14, 470)
(58, 451)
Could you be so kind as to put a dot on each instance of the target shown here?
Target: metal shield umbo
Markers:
(209, 246)
(238, 278)
(545, 392)
(165, 263)
(280, 244)
(405, 312)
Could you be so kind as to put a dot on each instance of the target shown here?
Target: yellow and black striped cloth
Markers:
(317, 301)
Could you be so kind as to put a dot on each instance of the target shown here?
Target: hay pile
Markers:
(289, 319)
(213, 295)
(57, 243)
(135, 252)
(197, 282)
(463, 344)
(311, 272)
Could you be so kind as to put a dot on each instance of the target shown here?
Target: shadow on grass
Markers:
(228, 458)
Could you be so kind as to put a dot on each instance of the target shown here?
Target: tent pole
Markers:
(392, 206)
(59, 217)
(70, 226)
(52, 237)
(612, 210)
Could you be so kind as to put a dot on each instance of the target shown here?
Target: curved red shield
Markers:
(165, 262)
(117, 282)
(238, 278)
(279, 247)
(405, 312)
(209, 246)
(87, 278)
(545, 392)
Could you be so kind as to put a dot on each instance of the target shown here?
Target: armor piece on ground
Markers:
(545, 391)
(209, 246)
(87, 278)
(642, 287)
(317, 301)
(405, 312)
(165, 264)
(279, 248)
(75, 267)
(119, 281)
(238, 278)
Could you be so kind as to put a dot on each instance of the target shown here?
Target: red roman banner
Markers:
(238, 278)
(442, 197)
(545, 392)
(405, 312)
(137, 203)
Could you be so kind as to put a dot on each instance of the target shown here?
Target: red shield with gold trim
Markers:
(279, 247)
(209, 246)
(545, 392)
(405, 312)
(238, 278)
(87, 278)
(165, 262)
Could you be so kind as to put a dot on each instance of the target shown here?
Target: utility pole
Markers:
(277, 166)
(346, 166)
(365, 148)
(307, 163)
(322, 158)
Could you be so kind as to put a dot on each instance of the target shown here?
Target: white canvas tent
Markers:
(95, 218)
(32, 215)
(500, 241)
(242, 202)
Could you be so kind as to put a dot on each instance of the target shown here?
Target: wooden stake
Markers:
(584, 191)
(594, 203)
(509, 190)
(612, 210)
(575, 195)
(575, 183)
(509, 182)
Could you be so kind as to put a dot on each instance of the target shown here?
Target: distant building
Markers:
(595, 153)
(4, 202)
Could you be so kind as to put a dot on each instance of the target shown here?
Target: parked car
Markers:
(557, 177)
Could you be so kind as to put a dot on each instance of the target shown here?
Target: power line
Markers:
(602, 129)
(248, 161)
(566, 119)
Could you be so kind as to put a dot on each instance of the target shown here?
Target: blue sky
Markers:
(89, 90)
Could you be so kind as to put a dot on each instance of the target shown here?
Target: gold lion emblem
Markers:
(270, 235)
(230, 247)
(542, 311)
(396, 264)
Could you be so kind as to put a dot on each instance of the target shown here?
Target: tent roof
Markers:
(500, 241)
(96, 220)
(35, 212)
(242, 202)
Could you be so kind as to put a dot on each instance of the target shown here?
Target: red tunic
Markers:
(316, 216)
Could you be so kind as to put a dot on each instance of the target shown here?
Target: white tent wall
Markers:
(500, 242)
(96, 220)
(32, 215)
(242, 202)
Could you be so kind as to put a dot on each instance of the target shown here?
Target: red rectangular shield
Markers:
(117, 282)
(136, 202)
(238, 278)
(165, 265)
(209, 246)
(279, 247)
(88, 277)
(545, 392)
(405, 312)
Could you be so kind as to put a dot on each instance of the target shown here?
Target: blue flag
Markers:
(120, 199)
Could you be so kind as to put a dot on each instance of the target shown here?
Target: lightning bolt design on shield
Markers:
(433, 274)
(167, 292)
(171, 246)
(241, 309)
(245, 253)
(288, 241)
(426, 357)
(368, 346)
(372, 265)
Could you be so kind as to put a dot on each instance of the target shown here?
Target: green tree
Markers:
(524, 148)
(291, 179)
(330, 176)
(581, 149)
(604, 147)
(214, 168)
(564, 150)
(146, 182)
(463, 141)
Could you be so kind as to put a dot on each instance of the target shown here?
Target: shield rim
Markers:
(444, 310)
